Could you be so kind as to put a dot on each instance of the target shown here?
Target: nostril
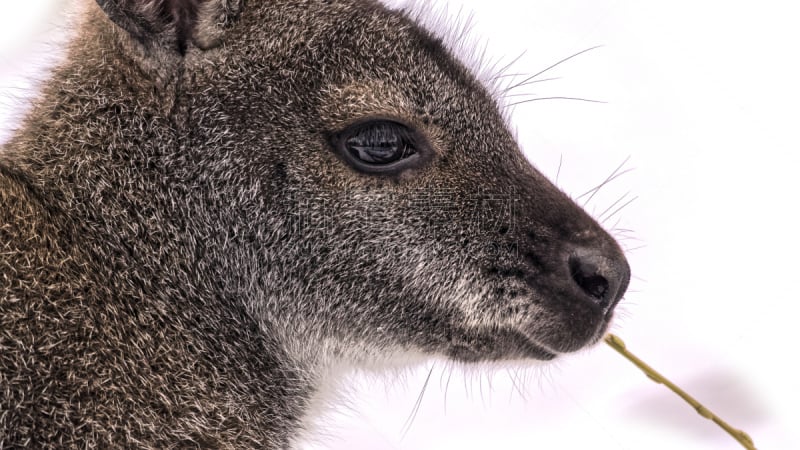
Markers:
(602, 277)
(587, 276)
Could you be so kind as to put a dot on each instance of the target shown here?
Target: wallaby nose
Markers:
(602, 279)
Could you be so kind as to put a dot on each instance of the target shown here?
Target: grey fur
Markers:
(183, 256)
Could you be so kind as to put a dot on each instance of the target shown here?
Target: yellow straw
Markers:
(618, 345)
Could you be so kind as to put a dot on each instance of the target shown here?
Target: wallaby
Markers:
(213, 203)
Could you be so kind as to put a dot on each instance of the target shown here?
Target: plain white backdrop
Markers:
(701, 102)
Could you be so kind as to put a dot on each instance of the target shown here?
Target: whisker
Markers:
(506, 75)
(513, 375)
(630, 250)
(407, 425)
(540, 80)
(623, 233)
(530, 82)
(480, 387)
(501, 72)
(447, 385)
(555, 98)
(600, 217)
(616, 173)
(505, 94)
(558, 171)
(616, 224)
(619, 209)
(526, 80)
(628, 238)
(528, 94)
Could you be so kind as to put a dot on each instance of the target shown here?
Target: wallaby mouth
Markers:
(555, 292)
(565, 319)
(580, 300)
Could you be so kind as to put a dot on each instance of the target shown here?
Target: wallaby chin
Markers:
(214, 206)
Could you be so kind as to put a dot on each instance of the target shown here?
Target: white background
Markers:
(702, 100)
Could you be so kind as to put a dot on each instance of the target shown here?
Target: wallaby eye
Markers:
(380, 146)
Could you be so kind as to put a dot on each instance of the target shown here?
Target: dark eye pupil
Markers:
(381, 147)
(379, 144)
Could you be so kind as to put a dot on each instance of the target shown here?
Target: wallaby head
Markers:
(242, 194)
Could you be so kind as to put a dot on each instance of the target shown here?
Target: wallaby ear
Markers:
(173, 24)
